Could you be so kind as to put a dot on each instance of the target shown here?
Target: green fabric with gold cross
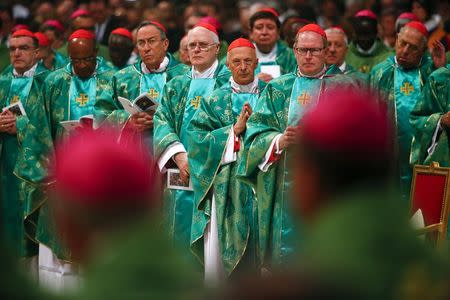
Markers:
(401, 88)
(22, 164)
(170, 127)
(56, 95)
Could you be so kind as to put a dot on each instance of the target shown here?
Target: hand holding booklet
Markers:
(143, 103)
(16, 108)
(174, 181)
(86, 121)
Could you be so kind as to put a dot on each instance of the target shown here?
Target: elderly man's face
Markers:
(152, 48)
(242, 63)
(310, 52)
(409, 48)
(265, 34)
(201, 48)
(83, 54)
(23, 53)
(337, 48)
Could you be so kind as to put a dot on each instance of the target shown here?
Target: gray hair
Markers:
(405, 28)
(214, 37)
(336, 30)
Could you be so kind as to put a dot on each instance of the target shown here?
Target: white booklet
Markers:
(16, 108)
(84, 121)
(142, 103)
(174, 181)
(272, 70)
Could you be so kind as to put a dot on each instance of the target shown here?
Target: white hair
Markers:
(214, 37)
(336, 30)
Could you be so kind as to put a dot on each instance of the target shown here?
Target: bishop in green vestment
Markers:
(181, 99)
(224, 230)
(272, 128)
(430, 121)
(274, 56)
(401, 78)
(147, 76)
(366, 50)
(23, 144)
(50, 59)
(71, 94)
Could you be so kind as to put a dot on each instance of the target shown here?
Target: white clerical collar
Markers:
(267, 57)
(162, 67)
(367, 52)
(318, 75)
(343, 67)
(251, 88)
(29, 73)
(208, 73)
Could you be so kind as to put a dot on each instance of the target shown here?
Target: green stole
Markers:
(239, 99)
(12, 210)
(407, 89)
(153, 84)
(184, 200)
(303, 91)
(82, 93)
(20, 88)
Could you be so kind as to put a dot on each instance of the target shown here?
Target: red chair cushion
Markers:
(429, 197)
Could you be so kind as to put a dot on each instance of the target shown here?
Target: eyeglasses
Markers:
(21, 48)
(89, 59)
(201, 46)
(151, 42)
(304, 51)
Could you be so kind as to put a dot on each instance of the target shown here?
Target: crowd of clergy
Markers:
(250, 132)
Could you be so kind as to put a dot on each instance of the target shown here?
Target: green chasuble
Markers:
(67, 97)
(22, 154)
(365, 62)
(282, 103)
(181, 98)
(129, 83)
(431, 106)
(234, 201)
(59, 61)
(402, 89)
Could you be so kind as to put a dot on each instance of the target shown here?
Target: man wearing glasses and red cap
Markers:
(148, 76)
(272, 129)
(70, 95)
(401, 79)
(181, 99)
(22, 156)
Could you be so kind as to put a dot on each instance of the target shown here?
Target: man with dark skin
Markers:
(70, 95)
(366, 50)
(120, 47)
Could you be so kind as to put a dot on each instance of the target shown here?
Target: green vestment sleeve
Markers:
(431, 106)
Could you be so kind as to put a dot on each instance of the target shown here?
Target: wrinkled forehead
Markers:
(21, 41)
(336, 36)
(309, 39)
(242, 53)
(200, 35)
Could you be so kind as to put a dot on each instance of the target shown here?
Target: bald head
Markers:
(83, 53)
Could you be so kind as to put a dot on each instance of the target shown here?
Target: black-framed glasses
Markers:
(89, 59)
(304, 51)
